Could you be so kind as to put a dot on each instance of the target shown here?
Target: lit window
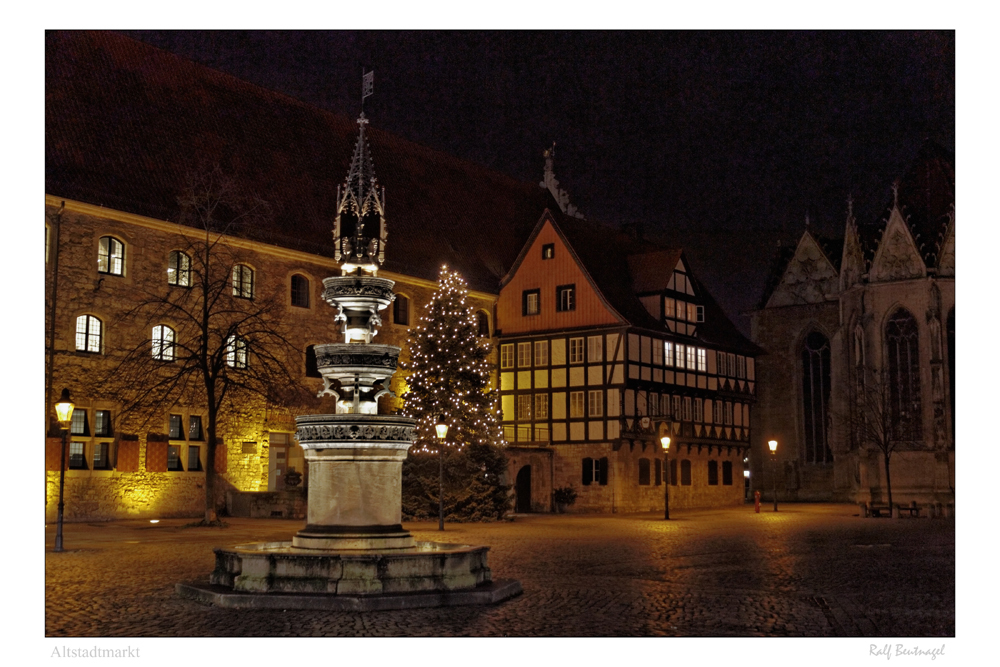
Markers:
(507, 356)
(102, 423)
(541, 353)
(702, 360)
(179, 269)
(668, 308)
(524, 408)
(176, 427)
(668, 353)
(657, 353)
(541, 406)
(691, 358)
(236, 352)
(88, 334)
(401, 310)
(548, 251)
(530, 304)
(174, 458)
(576, 404)
(524, 355)
(242, 281)
(680, 355)
(576, 350)
(194, 428)
(566, 298)
(163, 343)
(300, 291)
(692, 313)
(595, 347)
(79, 425)
(101, 459)
(595, 403)
(77, 460)
(110, 256)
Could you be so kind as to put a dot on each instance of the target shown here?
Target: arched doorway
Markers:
(523, 489)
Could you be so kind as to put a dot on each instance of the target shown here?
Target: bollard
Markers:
(756, 502)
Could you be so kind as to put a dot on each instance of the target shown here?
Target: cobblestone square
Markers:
(807, 570)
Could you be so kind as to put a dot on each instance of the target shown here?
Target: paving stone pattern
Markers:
(807, 570)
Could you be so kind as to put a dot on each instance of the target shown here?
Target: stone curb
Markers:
(221, 596)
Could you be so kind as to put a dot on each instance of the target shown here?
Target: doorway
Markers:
(523, 488)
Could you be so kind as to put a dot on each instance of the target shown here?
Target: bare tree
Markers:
(211, 337)
(878, 419)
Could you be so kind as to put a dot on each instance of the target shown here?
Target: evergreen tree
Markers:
(449, 375)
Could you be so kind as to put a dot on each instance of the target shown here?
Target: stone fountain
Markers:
(353, 553)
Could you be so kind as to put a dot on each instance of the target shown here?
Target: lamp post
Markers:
(64, 413)
(442, 432)
(665, 441)
(773, 445)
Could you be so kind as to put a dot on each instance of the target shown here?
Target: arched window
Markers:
(178, 269)
(401, 310)
(483, 321)
(300, 291)
(816, 397)
(242, 281)
(903, 368)
(88, 333)
(312, 369)
(110, 256)
(236, 352)
(163, 343)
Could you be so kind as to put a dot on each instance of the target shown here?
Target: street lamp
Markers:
(773, 444)
(64, 414)
(665, 441)
(441, 428)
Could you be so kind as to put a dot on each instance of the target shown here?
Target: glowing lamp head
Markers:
(773, 444)
(441, 428)
(64, 410)
(665, 441)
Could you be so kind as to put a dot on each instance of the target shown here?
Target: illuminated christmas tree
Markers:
(449, 377)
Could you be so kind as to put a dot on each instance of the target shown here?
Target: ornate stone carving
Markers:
(897, 257)
(808, 278)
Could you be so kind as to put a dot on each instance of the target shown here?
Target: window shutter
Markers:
(156, 455)
(588, 471)
(603, 472)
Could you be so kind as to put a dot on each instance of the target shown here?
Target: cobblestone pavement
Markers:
(807, 570)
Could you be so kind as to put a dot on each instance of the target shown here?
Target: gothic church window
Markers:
(903, 366)
(816, 397)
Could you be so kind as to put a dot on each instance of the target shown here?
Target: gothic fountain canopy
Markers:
(359, 229)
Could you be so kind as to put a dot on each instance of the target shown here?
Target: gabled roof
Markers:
(925, 195)
(125, 122)
(833, 249)
(618, 261)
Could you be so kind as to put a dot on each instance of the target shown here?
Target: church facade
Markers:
(859, 362)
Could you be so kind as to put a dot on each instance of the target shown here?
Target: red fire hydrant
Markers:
(756, 502)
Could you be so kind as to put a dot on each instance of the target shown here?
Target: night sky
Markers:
(721, 142)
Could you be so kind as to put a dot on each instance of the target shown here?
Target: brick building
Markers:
(126, 124)
(842, 319)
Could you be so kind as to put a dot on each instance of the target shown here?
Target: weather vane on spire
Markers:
(367, 86)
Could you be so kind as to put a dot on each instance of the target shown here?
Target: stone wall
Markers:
(72, 237)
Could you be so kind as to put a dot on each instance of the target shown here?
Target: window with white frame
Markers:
(541, 353)
(698, 406)
(576, 407)
(595, 349)
(692, 362)
(576, 350)
(178, 269)
(88, 333)
(242, 281)
(681, 349)
(110, 256)
(668, 353)
(507, 356)
(668, 308)
(741, 366)
(541, 406)
(692, 313)
(236, 352)
(79, 424)
(531, 302)
(665, 405)
(524, 407)
(565, 298)
(524, 355)
(595, 403)
(77, 458)
(163, 343)
(702, 360)
(727, 413)
(717, 412)
(657, 353)
(730, 364)
(676, 408)
(687, 408)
